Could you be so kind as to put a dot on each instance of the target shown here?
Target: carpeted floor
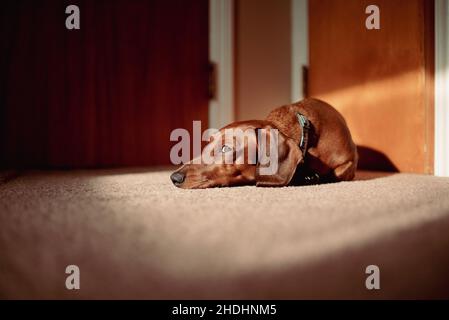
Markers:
(134, 235)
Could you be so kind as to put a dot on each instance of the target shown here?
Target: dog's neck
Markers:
(294, 125)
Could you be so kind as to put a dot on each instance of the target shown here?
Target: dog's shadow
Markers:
(372, 164)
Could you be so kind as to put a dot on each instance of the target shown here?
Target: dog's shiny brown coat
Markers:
(331, 153)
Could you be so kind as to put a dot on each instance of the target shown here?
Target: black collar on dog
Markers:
(305, 127)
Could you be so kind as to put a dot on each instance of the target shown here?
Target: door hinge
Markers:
(305, 81)
(212, 86)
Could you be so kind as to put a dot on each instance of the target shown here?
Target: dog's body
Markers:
(330, 154)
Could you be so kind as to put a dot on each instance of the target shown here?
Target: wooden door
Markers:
(108, 94)
(380, 80)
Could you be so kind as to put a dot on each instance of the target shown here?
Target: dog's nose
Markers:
(177, 177)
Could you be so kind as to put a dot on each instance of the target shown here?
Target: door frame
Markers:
(300, 47)
(221, 54)
(441, 161)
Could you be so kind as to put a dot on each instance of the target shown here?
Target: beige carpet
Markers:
(134, 235)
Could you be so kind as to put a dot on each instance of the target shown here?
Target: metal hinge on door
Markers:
(305, 81)
(212, 85)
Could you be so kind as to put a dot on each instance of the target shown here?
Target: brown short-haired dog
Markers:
(314, 146)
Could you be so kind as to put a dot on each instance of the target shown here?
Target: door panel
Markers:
(108, 94)
(380, 80)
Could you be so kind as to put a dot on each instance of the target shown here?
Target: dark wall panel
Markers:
(108, 94)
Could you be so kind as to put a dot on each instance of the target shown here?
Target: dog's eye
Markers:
(225, 149)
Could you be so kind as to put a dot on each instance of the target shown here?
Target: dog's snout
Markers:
(177, 177)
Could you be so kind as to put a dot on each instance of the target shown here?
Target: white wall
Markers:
(441, 88)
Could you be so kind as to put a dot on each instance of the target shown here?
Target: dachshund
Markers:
(314, 145)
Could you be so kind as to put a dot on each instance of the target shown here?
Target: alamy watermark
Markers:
(73, 19)
(227, 146)
(373, 280)
(372, 22)
(72, 282)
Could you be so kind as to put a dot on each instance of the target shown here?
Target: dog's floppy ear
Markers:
(289, 155)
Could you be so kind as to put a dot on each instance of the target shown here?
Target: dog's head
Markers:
(242, 153)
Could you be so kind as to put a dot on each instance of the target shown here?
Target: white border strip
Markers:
(300, 46)
(221, 52)
(441, 88)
